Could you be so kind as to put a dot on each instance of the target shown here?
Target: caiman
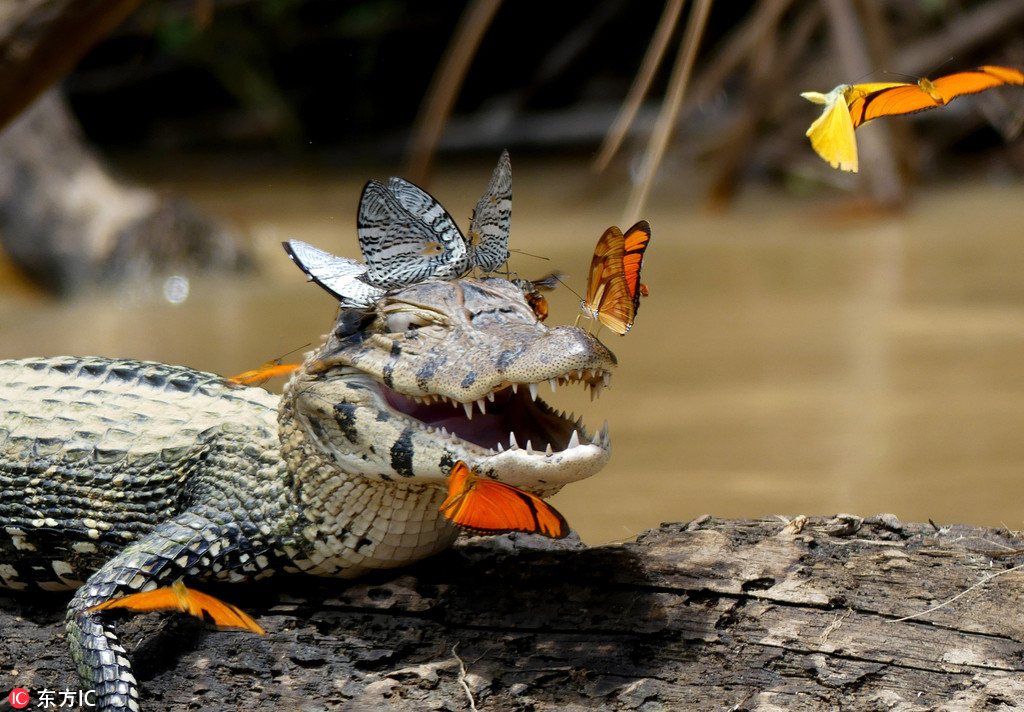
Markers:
(121, 476)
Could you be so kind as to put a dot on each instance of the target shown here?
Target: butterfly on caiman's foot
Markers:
(178, 597)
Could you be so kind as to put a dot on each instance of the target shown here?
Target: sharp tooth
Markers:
(554, 384)
(500, 448)
(468, 407)
(596, 438)
(512, 444)
(482, 404)
(533, 391)
(529, 447)
(444, 431)
(599, 386)
(574, 441)
(548, 450)
(604, 434)
(607, 378)
(515, 387)
(490, 396)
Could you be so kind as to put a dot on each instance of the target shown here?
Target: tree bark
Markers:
(710, 615)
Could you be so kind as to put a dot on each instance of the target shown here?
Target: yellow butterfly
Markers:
(831, 133)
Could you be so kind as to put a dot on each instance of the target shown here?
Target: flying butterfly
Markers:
(492, 220)
(613, 285)
(831, 133)
(484, 506)
(339, 276)
(178, 597)
(407, 236)
(848, 106)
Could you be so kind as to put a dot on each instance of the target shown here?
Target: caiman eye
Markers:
(398, 322)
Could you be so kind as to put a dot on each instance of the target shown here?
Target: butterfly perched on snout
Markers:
(613, 285)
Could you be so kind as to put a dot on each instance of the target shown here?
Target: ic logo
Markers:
(18, 698)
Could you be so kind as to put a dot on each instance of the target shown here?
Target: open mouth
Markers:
(510, 417)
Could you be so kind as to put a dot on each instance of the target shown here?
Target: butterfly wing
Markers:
(831, 134)
(492, 219)
(259, 376)
(608, 296)
(160, 599)
(180, 598)
(400, 248)
(483, 506)
(339, 276)
(891, 101)
(424, 207)
(218, 612)
(899, 99)
(635, 244)
(974, 80)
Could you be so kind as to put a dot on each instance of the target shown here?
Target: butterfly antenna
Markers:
(530, 254)
(558, 278)
(280, 358)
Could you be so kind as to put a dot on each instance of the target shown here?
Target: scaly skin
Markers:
(128, 476)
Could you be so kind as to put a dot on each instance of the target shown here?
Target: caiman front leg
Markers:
(193, 544)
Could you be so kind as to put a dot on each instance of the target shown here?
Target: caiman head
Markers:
(442, 371)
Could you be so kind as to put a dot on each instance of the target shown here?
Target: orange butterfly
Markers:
(180, 598)
(259, 376)
(532, 292)
(929, 94)
(848, 106)
(484, 506)
(613, 287)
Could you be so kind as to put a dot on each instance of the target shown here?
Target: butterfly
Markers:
(259, 376)
(613, 286)
(492, 219)
(532, 289)
(850, 105)
(178, 597)
(407, 236)
(341, 277)
(484, 506)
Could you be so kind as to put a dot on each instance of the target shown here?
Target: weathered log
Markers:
(819, 614)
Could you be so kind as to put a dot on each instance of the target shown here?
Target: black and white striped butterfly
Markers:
(340, 276)
(407, 236)
(489, 228)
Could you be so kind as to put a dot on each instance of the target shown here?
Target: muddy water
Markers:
(796, 356)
